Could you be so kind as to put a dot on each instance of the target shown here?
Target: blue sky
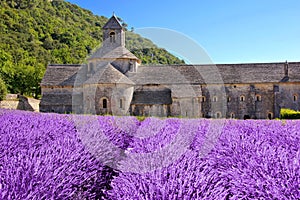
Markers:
(232, 31)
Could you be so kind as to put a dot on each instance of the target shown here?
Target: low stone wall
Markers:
(19, 102)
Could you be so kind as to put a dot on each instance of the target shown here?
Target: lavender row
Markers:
(50, 156)
(247, 160)
(42, 157)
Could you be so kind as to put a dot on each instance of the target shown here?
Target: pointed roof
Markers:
(118, 52)
(113, 23)
(108, 74)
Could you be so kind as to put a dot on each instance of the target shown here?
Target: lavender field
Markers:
(51, 156)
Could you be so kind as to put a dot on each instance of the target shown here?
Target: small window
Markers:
(203, 99)
(258, 98)
(228, 99)
(121, 103)
(232, 115)
(215, 99)
(88, 102)
(91, 67)
(104, 103)
(242, 98)
(112, 37)
(218, 115)
(295, 97)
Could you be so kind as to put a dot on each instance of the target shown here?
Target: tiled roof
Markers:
(106, 73)
(60, 75)
(65, 75)
(118, 52)
(220, 73)
(113, 23)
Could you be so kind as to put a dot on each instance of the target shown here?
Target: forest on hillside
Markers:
(35, 33)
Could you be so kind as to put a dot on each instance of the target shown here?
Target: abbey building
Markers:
(114, 82)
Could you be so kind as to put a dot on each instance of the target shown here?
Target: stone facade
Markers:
(114, 82)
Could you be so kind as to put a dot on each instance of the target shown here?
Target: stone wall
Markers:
(118, 98)
(57, 99)
(150, 110)
(256, 101)
(19, 102)
(286, 95)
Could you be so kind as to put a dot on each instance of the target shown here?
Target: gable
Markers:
(113, 23)
(106, 73)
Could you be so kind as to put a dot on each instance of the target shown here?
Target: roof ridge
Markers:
(102, 75)
(118, 52)
(110, 66)
(111, 19)
(64, 65)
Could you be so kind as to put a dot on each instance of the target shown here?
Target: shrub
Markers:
(141, 118)
(289, 114)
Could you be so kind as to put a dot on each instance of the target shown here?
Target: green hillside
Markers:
(34, 33)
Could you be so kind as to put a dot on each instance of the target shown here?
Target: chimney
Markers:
(286, 69)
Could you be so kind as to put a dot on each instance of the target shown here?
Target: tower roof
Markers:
(118, 52)
(113, 23)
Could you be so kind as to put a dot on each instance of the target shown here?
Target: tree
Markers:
(34, 33)
(3, 90)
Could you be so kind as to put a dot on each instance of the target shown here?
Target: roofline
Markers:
(65, 65)
(110, 59)
(113, 16)
(212, 64)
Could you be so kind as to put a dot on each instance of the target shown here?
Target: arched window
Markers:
(258, 97)
(202, 98)
(270, 115)
(121, 103)
(218, 115)
(295, 97)
(104, 103)
(242, 98)
(215, 99)
(88, 102)
(112, 37)
(232, 115)
(228, 99)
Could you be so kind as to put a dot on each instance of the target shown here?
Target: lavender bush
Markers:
(250, 160)
(51, 156)
(43, 157)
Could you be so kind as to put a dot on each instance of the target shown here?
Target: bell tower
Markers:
(113, 33)
(113, 50)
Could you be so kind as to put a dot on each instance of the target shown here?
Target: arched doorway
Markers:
(270, 115)
(104, 103)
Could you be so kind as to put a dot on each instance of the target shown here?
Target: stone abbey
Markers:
(114, 82)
